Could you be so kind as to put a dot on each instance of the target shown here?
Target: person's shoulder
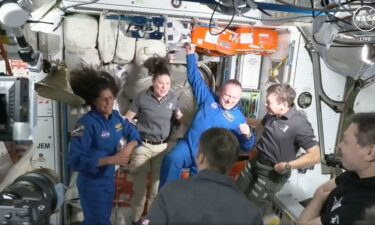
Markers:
(144, 92)
(172, 96)
(116, 113)
(346, 176)
(87, 118)
(87, 121)
(238, 113)
(118, 117)
(299, 115)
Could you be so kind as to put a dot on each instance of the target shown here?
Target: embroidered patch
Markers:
(336, 204)
(284, 127)
(78, 131)
(105, 134)
(169, 105)
(214, 105)
(228, 116)
(118, 127)
(335, 219)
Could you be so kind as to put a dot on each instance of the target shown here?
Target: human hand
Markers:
(280, 167)
(245, 130)
(122, 157)
(126, 152)
(189, 48)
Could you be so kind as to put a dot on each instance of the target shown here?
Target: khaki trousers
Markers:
(144, 159)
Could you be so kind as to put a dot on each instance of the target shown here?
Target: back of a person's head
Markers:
(220, 148)
(366, 128)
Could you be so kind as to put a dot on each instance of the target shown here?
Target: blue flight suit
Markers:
(210, 114)
(93, 138)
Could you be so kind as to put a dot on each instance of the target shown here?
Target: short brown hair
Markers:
(220, 147)
(234, 82)
(284, 92)
(366, 128)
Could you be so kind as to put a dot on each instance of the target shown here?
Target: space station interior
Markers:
(324, 49)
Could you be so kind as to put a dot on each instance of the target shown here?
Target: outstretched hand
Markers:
(189, 48)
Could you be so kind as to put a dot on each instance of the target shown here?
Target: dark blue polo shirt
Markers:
(282, 137)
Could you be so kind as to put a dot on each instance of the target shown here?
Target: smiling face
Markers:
(161, 85)
(230, 96)
(104, 103)
(274, 106)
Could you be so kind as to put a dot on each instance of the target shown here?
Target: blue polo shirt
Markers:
(96, 137)
(210, 113)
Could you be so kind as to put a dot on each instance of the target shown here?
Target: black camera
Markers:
(30, 199)
(334, 160)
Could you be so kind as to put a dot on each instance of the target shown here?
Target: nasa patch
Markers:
(105, 134)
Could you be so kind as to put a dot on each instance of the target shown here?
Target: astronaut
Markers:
(213, 111)
(94, 146)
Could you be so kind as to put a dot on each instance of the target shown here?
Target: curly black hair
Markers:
(88, 83)
(157, 66)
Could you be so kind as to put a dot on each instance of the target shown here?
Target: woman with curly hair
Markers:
(155, 108)
(94, 144)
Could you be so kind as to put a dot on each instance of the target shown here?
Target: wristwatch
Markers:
(288, 166)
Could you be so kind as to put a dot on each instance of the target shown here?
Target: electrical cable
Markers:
(37, 21)
(317, 9)
(313, 10)
(211, 19)
(335, 18)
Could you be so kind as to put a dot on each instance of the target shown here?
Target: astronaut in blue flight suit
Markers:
(94, 145)
(213, 111)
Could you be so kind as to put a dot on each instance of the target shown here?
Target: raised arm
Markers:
(198, 86)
